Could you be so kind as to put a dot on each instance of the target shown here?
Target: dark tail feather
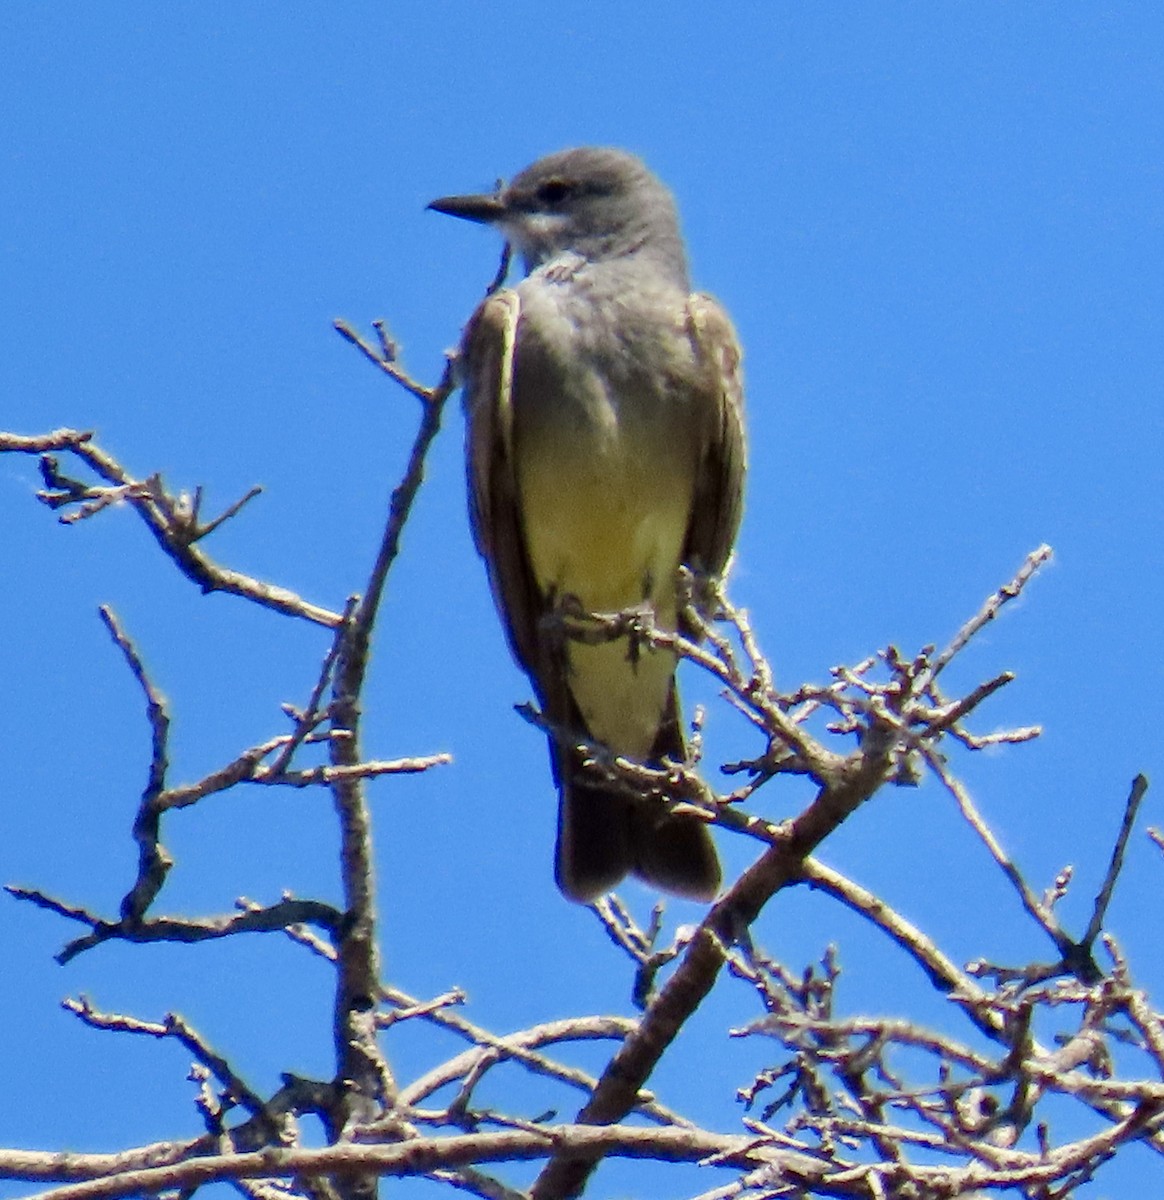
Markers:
(673, 853)
(594, 838)
(605, 833)
(670, 852)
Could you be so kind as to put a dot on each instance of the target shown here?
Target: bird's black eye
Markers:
(554, 191)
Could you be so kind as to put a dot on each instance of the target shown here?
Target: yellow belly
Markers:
(607, 525)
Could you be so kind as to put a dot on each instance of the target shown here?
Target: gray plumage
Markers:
(605, 449)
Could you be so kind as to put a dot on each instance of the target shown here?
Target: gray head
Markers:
(598, 203)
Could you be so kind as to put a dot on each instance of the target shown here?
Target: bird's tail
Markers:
(673, 853)
(594, 837)
(605, 832)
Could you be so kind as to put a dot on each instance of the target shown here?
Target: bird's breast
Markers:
(605, 444)
(606, 481)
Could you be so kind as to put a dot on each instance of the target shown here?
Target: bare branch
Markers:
(385, 357)
(1034, 906)
(418, 1156)
(493, 1050)
(942, 972)
(275, 918)
(993, 606)
(364, 1081)
(171, 519)
(175, 1026)
(1135, 796)
(312, 716)
(153, 862)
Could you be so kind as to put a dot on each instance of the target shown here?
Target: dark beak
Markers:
(486, 209)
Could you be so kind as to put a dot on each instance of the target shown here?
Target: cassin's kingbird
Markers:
(605, 450)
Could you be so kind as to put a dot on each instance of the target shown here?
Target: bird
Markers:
(605, 451)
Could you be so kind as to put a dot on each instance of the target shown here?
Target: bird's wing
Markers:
(494, 508)
(718, 502)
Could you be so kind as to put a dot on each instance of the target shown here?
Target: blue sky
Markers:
(940, 231)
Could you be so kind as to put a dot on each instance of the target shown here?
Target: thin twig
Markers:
(993, 606)
(1034, 906)
(1135, 796)
(153, 861)
(170, 519)
(174, 1026)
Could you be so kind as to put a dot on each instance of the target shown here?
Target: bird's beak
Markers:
(485, 208)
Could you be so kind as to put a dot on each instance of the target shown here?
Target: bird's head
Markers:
(594, 202)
